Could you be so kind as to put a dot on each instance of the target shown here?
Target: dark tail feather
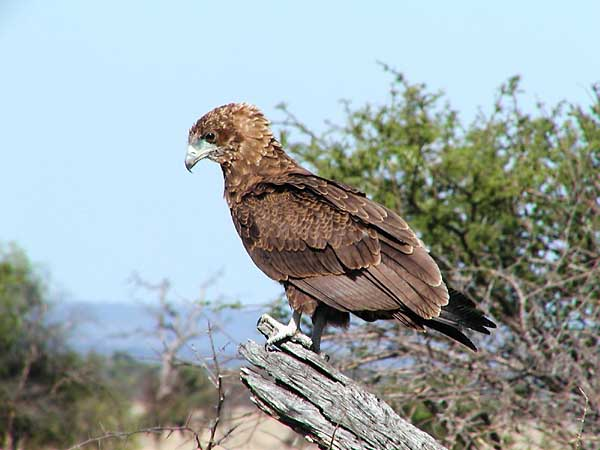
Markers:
(463, 312)
(450, 331)
(458, 314)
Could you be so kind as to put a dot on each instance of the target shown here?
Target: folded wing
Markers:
(338, 247)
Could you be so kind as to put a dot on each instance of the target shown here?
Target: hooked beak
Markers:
(197, 151)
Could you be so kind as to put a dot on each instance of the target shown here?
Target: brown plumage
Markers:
(335, 251)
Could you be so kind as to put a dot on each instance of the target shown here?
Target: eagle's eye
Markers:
(210, 137)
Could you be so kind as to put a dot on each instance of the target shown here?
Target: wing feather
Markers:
(418, 264)
(347, 293)
(338, 246)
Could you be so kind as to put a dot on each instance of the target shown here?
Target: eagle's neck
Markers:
(254, 167)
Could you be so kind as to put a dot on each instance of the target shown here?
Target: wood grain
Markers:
(302, 390)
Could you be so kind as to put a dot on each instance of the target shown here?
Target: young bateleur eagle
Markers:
(334, 251)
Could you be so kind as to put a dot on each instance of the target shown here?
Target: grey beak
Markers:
(197, 152)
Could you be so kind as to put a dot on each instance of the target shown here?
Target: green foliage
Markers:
(471, 192)
(50, 395)
(510, 207)
(20, 295)
(484, 196)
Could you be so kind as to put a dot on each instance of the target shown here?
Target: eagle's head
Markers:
(227, 134)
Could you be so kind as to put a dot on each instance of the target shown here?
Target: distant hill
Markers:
(111, 327)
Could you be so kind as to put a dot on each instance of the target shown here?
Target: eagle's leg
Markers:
(319, 321)
(285, 332)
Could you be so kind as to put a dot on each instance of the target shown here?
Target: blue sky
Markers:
(96, 99)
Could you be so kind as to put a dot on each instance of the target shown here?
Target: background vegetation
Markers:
(510, 207)
(53, 397)
(509, 204)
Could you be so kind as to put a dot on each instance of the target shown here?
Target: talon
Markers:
(269, 347)
(284, 333)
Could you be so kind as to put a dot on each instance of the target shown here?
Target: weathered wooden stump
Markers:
(302, 390)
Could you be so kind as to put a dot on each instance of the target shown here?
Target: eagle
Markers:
(333, 250)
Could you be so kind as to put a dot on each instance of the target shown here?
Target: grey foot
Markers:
(279, 332)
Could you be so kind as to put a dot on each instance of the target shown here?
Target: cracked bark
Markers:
(303, 391)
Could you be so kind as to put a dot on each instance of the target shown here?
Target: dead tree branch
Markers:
(303, 391)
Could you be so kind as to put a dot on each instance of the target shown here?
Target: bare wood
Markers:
(302, 390)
